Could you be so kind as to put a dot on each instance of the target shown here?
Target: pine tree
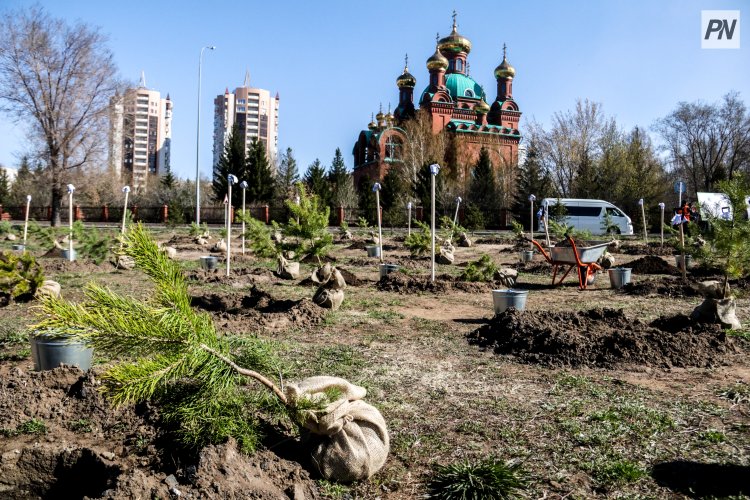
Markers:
(483, 189)
(4, 186)
(531, 180)
(367, 204)
(422, 190)
(337, 175)
(232, 161)
(317, 183)
(393, 189)
(169, 181)
(259, 177)
(286, 176)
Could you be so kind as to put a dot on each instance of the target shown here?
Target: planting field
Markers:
(594, 393)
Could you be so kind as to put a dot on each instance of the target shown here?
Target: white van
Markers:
(588, 215)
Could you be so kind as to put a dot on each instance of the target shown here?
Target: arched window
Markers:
(469, 93)
(393, 148)
(459, 65)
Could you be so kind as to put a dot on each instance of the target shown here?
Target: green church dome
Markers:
(460, 85)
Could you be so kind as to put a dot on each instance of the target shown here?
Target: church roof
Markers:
(472, 127)
(457, 85)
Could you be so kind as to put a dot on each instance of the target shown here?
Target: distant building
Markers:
(256, 114)
(456, 104)
(140, 134)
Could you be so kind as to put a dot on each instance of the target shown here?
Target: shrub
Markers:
(20, 275)
(198, 229)
(482, 269)
(485, 479)
(419, 242)
(309, 225)
(89, 243)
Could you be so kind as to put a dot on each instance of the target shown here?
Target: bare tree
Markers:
(58, 80)
(707, 143)
(421, 145)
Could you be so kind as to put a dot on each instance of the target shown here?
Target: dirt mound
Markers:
(356, 245)
(77, 446)
(668, 287)
(54, 266)
(653, 248)
(603, 338)
(258, 310)
(243, 276)
(652, 264)
(401, 283)
(538, 267)
(350, 278)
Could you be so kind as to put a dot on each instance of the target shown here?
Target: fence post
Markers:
(49, 213)
(266, 214)
(135, 212)
(105, 213)
(231, 214)
(164, 213)
(420, 214)
(78, 215)
(461, 213)
(340, 211)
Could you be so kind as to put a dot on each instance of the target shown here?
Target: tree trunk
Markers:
(57, 196)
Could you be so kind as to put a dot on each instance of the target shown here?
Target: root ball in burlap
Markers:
(356, 441)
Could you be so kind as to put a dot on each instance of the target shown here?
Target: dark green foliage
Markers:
(232, 161)
(4, 186)
(197, 230)
(338, 179)
(483, 189)
(32, 426)
(486, 479)
(259, 237)
(419, 242)
(176, 213)
(393, 188)
(473, 217)
(482, 269)
(89, 243)
(317, 184)
(308, 224)
(532, 179)
(422, 190)
(20, 275)
(168, 181)
(286, 176)
(258, 176)
(367, 202)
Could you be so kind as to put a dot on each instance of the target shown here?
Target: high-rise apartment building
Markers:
(255, 113)
(140, 134)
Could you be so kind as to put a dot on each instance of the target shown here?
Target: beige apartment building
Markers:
(256, 115)
(140, 135)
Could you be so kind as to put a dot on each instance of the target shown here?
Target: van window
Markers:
(613, 212)
(583, 211)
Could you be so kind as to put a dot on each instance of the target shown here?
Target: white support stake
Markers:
(243, 185)
(643, 215)
(408, 209)
(661, 227)
(71, 188)
(434, 169)
(125, 190)
(531, 219)
(26, 218)
(231, 179)
(376, 187)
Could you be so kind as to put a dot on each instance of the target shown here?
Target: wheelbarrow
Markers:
(582, 259)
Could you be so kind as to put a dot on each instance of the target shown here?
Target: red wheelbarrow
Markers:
(583, 259)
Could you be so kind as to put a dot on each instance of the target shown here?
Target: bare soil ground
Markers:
(597, 393)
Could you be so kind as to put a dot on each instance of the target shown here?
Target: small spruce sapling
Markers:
(308, 225)
(20, 275)
(419, 242)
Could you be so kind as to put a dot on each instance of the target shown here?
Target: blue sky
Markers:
(333, 62)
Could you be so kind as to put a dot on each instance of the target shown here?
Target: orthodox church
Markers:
(455, 103)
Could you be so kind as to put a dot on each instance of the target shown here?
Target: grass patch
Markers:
(82, 426)
(33, 426)
(617, 472)
(487, 478)
(332, 490)
(737, 394)
(712, 436)
(386, 316)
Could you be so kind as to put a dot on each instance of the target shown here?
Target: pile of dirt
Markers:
(258, 310)
(667, 287)
(243, 276)
(652, 264)
(79, 446)
(539, 267)
(636, 248)
(603, 338)
(356, 245)
(401, 283)
(54, 266)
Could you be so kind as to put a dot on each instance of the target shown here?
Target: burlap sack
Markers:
(607, 260)
(125, 262)
(374, 238)
(721, 311)
(10, 237)
(507, 277)
(287, 270)
(220, 246)
(357, 441)
(347, 235)
(713, 289)
(329, 277)
(464, 241)
(201, 241)
(49, 287)
(445, 256)
(328, 298)
(171, 252)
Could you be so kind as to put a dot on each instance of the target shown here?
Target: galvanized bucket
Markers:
(209, 262)
(386, 269)
(526, 255)
(619, 276)
(503, 299)
(49, 352)
(373, 251)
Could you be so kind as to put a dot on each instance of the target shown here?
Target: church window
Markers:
(459, 65)
(469, 93)
(393, 148)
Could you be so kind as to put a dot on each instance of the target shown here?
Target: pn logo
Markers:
(720, 29)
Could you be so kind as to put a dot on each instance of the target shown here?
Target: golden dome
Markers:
(505, 70)
(373, 124)
(380, 117)
(454, 43)
(437, 61)
(406, 80)
(482, 107)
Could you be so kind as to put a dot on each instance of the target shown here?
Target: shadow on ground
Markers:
(699, 480)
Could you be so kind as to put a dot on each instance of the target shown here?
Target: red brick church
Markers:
(456, 103)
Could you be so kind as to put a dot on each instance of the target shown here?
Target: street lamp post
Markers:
(71, 188)
(231, 179)
(243, 185)
(376, 187)
(198, 141)
(434, 169)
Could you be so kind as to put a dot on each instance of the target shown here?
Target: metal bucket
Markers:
(526, 255)
(209, 262)
(49, 352)
(373, 251)
(66, 254)
(678, 260)
(18, 247)
(386, 269)
(619, 276)
(503, 299)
